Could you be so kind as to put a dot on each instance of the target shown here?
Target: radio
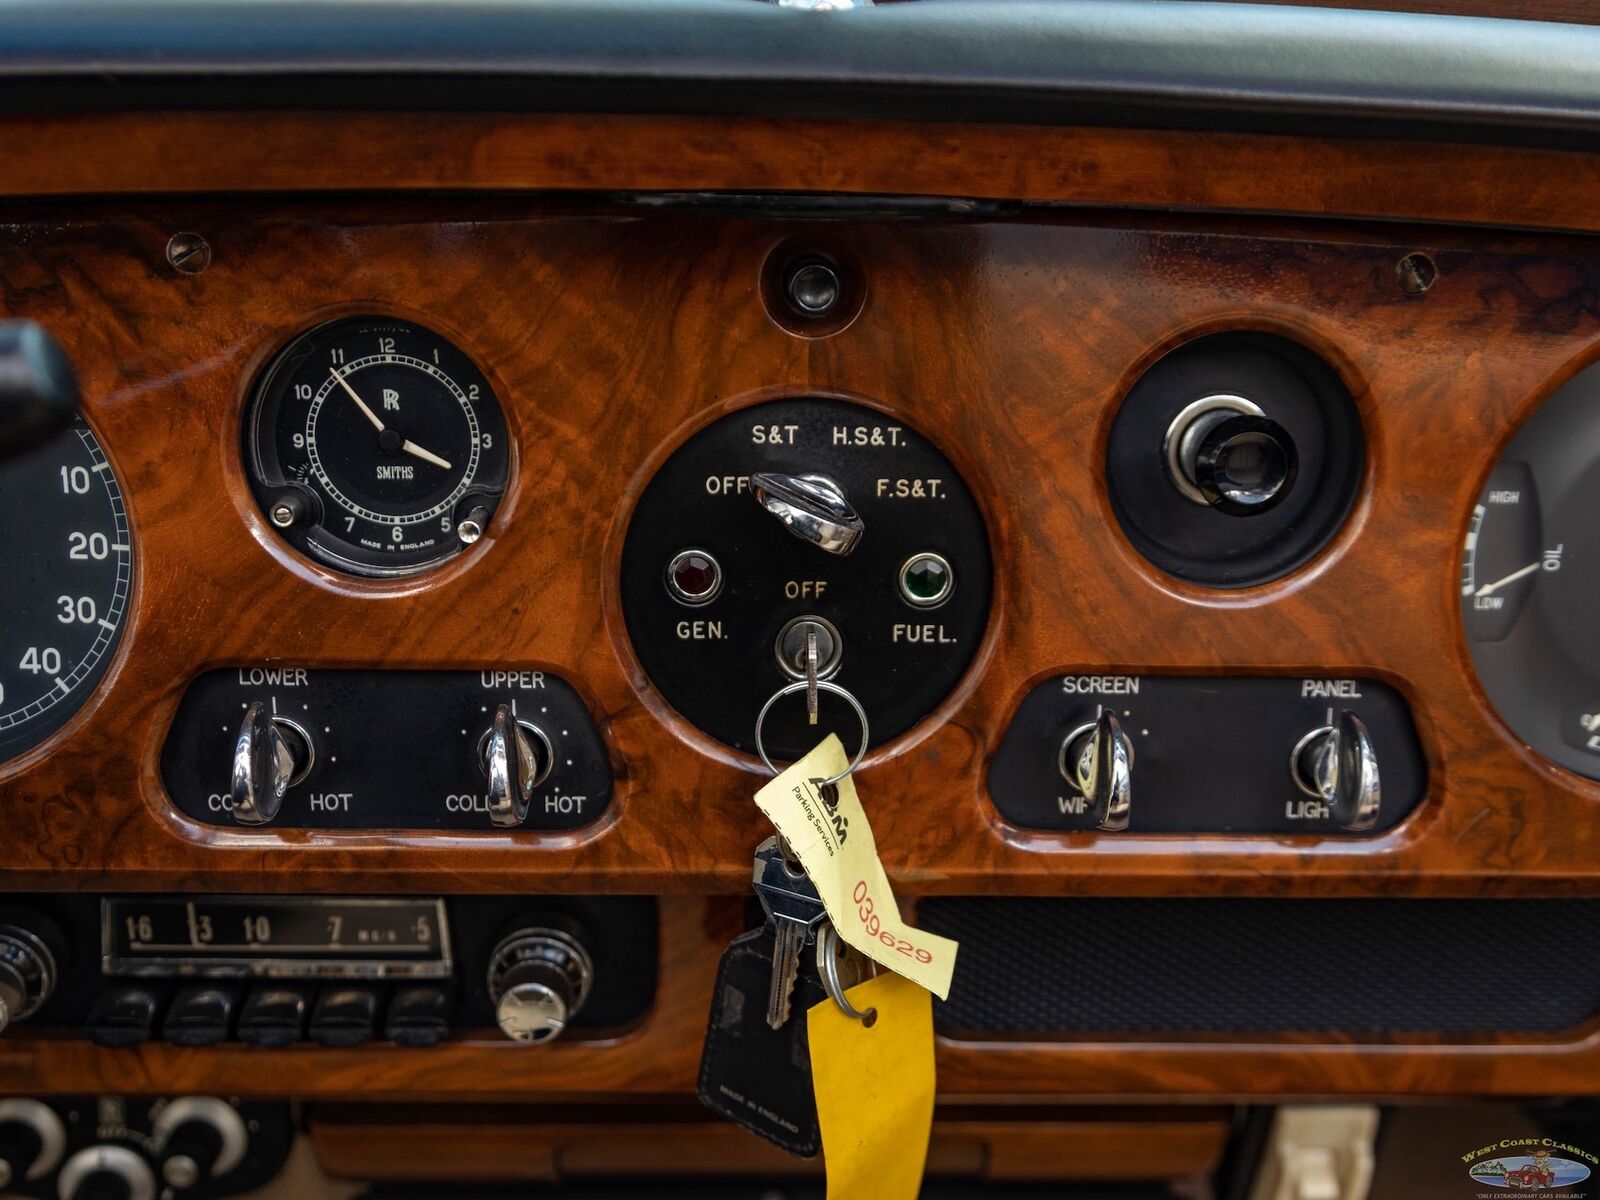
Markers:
(339, 971)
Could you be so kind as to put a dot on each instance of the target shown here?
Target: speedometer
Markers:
(1530, 575)
(66, 571)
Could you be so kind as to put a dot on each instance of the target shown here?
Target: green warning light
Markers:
(926, 580)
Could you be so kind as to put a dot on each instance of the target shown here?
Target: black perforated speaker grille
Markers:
(1268, 966)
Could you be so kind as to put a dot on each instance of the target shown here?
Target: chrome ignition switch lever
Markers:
(514, 767)
(812, 507)
(270, 755)
(1097, 759)
(1338, 765)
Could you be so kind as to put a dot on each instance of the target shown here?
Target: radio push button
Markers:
(418, 1016)
(124, 1016)
(200, 1016)
(344, 1017)
(273, 1015)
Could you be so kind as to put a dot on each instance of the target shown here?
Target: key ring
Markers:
(828, 968)
(823, 685)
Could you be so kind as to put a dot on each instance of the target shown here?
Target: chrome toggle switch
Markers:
(1097, 759)
(812, 507)
(516, 757)
(270, 755)
(1337, 764)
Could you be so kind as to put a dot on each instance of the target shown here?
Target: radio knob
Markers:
(516, 756)
(32, 1141)
(106, 1173)
(539, 979)
(198, 1138)
(1097, 759)
(27, 974)
(1338, 765)
(270, 755)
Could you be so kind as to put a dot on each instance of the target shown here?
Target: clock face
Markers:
(376, 446)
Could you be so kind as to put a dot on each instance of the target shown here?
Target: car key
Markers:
(794, 910)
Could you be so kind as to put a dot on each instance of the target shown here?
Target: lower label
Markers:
(388, 749)
(1209, 755)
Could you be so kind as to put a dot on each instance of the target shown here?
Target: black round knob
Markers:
(1245, 465)
(812, 287)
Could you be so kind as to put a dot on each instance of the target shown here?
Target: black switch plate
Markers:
(392, 749)
(1211, 755)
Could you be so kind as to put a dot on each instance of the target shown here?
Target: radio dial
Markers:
(27, 974)
(539, 979)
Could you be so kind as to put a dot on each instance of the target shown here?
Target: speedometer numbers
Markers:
(66, 571)
(376, 446)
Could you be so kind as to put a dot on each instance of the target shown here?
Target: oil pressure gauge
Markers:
(376, 446)
(1530, 571)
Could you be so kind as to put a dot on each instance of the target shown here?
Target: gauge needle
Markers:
(411, 447)
(377, 422)
(1511, 578)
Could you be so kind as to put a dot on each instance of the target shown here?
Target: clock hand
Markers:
(412, 448)
(377, 422)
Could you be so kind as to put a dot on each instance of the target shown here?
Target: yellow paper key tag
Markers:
(834, 843)
(874, 1087)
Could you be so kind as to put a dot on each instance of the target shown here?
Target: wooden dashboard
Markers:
(1006, 333)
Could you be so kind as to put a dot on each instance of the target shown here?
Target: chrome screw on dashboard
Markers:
(1224, 452)
(539, 979)
(270, 755)
(812, 507)
(1097, 759)
(1338, 765)
(516, 756)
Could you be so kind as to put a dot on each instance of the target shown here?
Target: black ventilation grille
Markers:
(1351, 967)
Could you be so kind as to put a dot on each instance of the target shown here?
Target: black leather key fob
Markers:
(754, 1075)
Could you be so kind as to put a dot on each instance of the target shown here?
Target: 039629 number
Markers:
(873, 924)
